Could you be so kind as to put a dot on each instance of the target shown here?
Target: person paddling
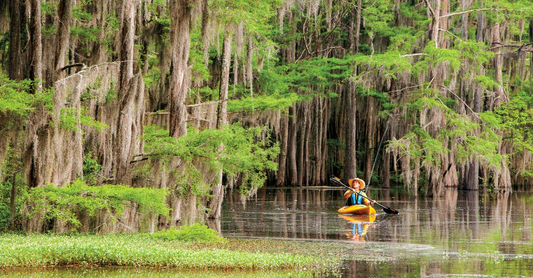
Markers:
(355, 196)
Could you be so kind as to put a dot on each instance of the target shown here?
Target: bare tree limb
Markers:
(414, 54)
(444, 30)
(469, 11)
(452, 92)
(430, 8)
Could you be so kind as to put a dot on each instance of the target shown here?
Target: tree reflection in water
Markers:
(468, 227)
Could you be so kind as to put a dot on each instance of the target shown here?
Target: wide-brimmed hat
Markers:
(361, 182)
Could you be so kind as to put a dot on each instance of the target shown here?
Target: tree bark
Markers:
(350, 166)
(222, 114)
(63, 35)
(531, 58)
(495, 101)
(36, 45)
(293, 145)
(13, 198)
(17, 21)
(181, 13)
(464, 19)
(215, 204)
(127, 91)
(472, 167)
(435, 21)
(370, 135)
(284, 138)
(358, 19)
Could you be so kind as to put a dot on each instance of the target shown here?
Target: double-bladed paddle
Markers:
(385, 209)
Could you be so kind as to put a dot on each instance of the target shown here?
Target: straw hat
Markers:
(361, 182)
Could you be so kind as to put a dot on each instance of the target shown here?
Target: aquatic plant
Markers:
(196, 232)
(144, 250)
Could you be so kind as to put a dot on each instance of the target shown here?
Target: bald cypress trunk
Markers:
(370, 135)
(215, 204)
(36, 44)
(350, 166)
(180, 11)
(358, 20)
(284, 138)
(293, 146)
(17, 23)
(531, 58)
(128, 91)
(63, 35)
(222, 114)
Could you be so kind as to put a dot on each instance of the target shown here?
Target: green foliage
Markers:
(137, 250)
(253, 14)
(232, 149)
(196, 57)
(83, 31)
(16, 99)
(196, 233)
(91, 169)
(87, 34)
(474, 52)
(389, 64)
(378, 15)
(515, 118)
(72, 116)
(49, 8)
(308, 78)
(112, 94)
(12, 175)
(66, 202)
(262, 103)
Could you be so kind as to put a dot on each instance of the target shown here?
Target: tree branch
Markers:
(82, 65)
(444, 30)
(469, 11)
(430, 8)
(450, 91)
(412, 55)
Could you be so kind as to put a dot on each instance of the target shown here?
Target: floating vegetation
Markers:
(143, 250)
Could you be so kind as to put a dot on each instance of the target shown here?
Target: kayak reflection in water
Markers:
(357, 232)
(355, 196)
(357, 226)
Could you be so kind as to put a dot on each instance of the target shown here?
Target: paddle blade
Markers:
(390, 211)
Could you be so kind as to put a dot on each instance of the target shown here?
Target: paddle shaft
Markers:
(386, 209)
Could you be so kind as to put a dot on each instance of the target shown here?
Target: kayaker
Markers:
(355, 196)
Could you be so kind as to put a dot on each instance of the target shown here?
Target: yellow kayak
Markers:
(358, 209)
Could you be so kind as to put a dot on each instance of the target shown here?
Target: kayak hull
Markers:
(357, 210)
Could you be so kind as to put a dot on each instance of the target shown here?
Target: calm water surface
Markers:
(461, 234)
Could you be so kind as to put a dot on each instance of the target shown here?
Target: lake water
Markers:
(461, 234)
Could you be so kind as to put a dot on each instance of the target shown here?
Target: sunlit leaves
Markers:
(65, 203)
(262, 103)
(15, 97)
(195, 233)
(232, 149)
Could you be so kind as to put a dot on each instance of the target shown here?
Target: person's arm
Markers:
(347, 194)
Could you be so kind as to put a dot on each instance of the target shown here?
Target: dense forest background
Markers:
(137, 115)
